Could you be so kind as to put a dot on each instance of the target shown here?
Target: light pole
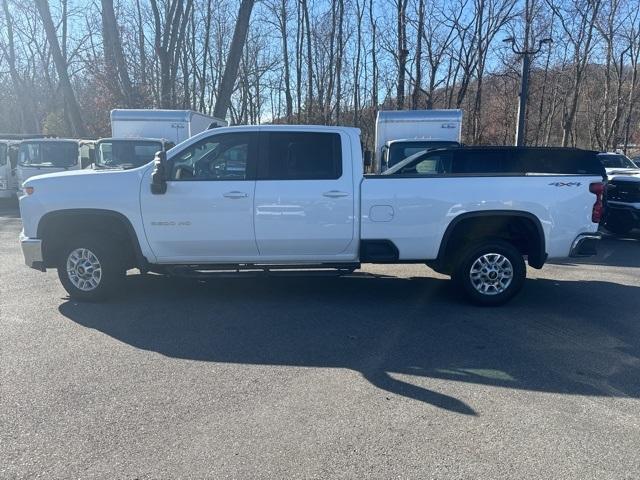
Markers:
(526, 54)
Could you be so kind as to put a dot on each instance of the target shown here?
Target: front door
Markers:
(206, 214)
(304, 201)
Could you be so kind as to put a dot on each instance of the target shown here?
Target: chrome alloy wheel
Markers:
(84, 269)
(491, 274)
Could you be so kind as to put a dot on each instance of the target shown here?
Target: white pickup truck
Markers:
(295, 197)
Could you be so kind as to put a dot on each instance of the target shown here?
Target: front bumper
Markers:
(585, 245)
(7, 193)
(32, 251)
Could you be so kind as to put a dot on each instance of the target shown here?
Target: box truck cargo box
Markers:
(173, 125)
(402, 133)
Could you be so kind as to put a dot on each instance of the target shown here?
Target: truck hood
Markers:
(87, 188)
(78, 177)
(622, 171)
(626, 179)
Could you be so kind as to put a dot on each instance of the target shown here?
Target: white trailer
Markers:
(174, 125)
(402, 133)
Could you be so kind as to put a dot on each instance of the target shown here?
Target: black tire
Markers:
(499, 289)
(111, 266)
(619, 224)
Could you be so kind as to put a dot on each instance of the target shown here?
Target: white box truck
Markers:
(174, 125)
(402, 133)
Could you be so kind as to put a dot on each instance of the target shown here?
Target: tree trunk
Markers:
(374, 58)
(114, 55)
(415, 97)
(28, 110)
(75, 116)
(307, 23)
(285, 60)
(402, 51)
(233, 59)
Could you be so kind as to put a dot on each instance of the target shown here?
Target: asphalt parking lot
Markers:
(385, 374)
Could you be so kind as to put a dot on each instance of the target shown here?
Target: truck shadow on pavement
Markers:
(405, 336)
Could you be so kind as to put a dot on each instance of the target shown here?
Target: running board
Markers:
(230, 271)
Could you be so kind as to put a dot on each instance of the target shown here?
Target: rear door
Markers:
(304, 197)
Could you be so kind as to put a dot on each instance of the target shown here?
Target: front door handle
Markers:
(235, 194)
(335, 194)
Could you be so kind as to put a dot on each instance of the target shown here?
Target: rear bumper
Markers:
(585, 245)
(632, 209)
(32, 251)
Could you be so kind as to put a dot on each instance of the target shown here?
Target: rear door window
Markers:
(300, 156)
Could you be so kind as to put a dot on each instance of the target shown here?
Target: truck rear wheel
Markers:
(491, 273)
(90, 269)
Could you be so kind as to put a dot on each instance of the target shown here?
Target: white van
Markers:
(8, 164)
(47, 155)
(402, 133)
(174, 125)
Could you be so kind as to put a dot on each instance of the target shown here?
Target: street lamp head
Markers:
(509, 40)
(546, 40)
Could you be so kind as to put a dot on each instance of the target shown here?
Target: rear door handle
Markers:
(335, 194)
(235, 194)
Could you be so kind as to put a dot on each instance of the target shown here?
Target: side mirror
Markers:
(159, 175)
(368, 159)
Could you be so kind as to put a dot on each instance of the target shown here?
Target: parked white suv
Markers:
(273, 197)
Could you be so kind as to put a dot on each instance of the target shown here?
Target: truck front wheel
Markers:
(90, 268)
(491, 273)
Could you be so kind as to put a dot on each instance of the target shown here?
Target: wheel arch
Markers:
(59, 224)
(490, 222)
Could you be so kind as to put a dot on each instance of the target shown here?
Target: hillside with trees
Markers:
(64, 64)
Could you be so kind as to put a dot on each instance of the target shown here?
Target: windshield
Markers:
(3, 154)
(616, 161)
(400, 165)
(50, 154)
(424, 163)
(125, 153)
(398, 151)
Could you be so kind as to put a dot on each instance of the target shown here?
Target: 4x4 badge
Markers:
(565, 184)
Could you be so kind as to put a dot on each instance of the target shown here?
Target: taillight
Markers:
(597, 189)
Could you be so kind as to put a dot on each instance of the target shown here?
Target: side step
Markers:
(251, 270)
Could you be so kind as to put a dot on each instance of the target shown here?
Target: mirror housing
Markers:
(159, 175)
(368, 159)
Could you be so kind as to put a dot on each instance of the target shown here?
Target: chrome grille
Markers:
(621, 191)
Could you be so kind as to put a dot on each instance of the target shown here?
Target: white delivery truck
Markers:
(174, 125)
(124, 153)
(8, 164)
(48, 155)
(402, 133)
